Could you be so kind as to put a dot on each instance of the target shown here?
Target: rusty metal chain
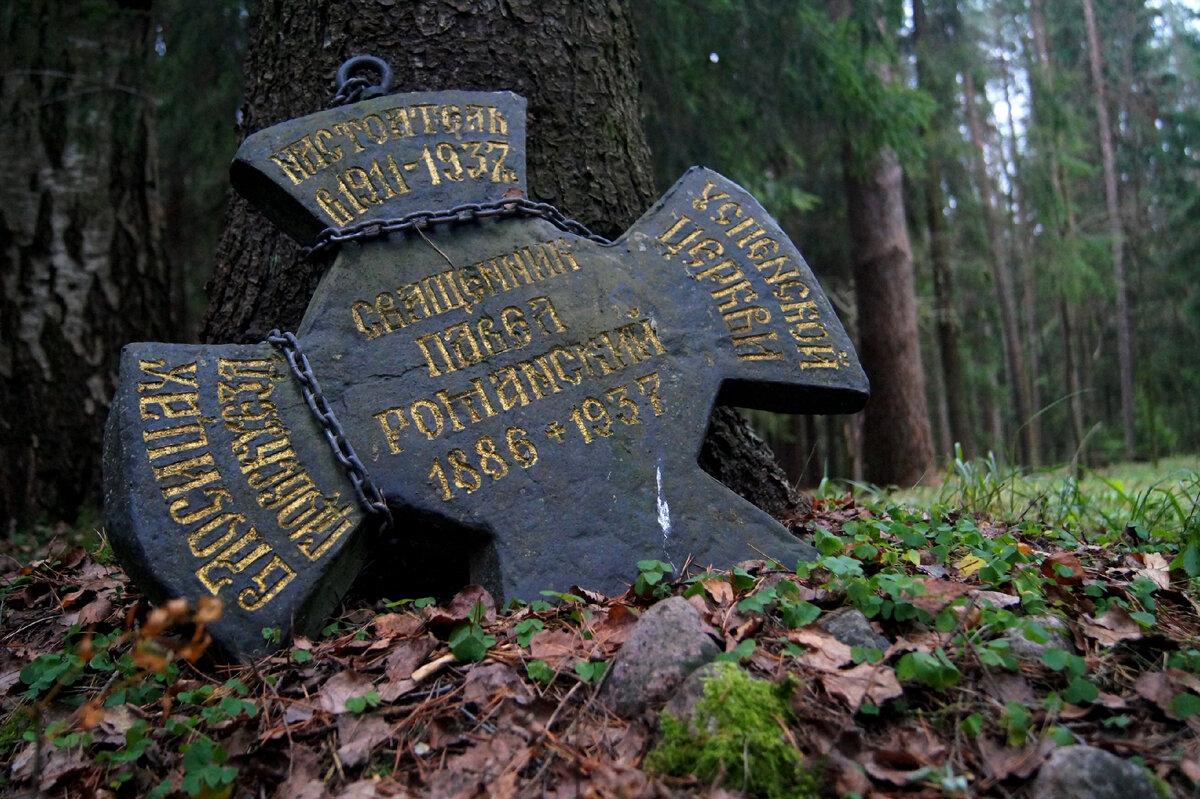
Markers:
(467, 212)
(370, 498)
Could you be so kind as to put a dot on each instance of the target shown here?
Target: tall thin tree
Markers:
(1116, 231)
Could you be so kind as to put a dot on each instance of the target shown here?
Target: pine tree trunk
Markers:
(1023, 246)
(897, 439)
(575, 63)
(82, 265)
(1116, 233)
(948, 327)
(1014, 356)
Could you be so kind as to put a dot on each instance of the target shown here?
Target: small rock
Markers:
(683, 703)
(851, 627)
(669, 642)
(1085, 772)
(1026, 649)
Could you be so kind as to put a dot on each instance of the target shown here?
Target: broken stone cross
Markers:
(527, 398)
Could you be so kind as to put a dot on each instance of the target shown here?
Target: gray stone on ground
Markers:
(1085, 772)
(669, 642)
(852, 628)
(1027, 650)
(683, 703)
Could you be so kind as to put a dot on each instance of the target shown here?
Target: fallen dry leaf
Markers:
(407, 655)
(1064, 568)
(1112, 627)
(359, 735)
(1162, 687)
(838, 673)
(865, 681)
(555, 647)
(342, 686)
(1003, 761)
(721, 592)
(464, 602)
(393, 625)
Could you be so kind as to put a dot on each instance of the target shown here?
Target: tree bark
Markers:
(948, 327)
(1014, 357)
(575, 63)
(897, 439)
(1116, 232)
(1062, 216)
(82, 264)
(1023, 247)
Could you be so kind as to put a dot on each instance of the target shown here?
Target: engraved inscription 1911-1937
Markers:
(540, 392)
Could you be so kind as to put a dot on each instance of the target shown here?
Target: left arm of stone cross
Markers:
(782, 347)
(220, 483)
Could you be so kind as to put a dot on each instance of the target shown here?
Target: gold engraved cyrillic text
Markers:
(185, 471)
(461, 289)
(313, 520)
(522, 383)
(705, 255)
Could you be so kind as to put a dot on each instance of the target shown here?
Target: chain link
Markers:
(349, 92)
(351, 87)
(330, 238)
(370, 498)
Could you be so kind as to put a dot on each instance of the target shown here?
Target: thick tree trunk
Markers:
(82, 264)
(897, 440)
(1116, 232)
(575, 63)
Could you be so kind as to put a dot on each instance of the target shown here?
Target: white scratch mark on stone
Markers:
(664, 512)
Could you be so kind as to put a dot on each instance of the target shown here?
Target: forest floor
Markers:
(103, 695)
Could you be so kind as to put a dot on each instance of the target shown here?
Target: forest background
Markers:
(1042, 161)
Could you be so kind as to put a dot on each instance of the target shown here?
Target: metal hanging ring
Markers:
(387, 78)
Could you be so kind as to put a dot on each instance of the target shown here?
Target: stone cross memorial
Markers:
(473, 365)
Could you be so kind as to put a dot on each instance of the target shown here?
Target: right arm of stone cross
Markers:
(782, 346)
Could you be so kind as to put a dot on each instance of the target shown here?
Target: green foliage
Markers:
(591, 671)
(468, 642)
(539, 670)
(204, 769)
(136, 743)
(650, 579)
(49, 670)
(526, 629)
(782, 598)
(934, 670)
(736, 733)
(743, 650)
(972, 725)
(359, 704)
(1185, 705)
(1017, 722)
